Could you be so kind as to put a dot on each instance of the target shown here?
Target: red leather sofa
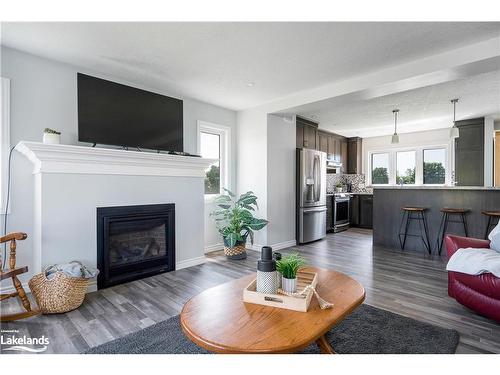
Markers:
(480, 293)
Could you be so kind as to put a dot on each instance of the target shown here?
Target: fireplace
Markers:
(134, 242)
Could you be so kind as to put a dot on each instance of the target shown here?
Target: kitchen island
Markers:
(387, 213)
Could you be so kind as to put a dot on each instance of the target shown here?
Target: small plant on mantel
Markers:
(235, 221)
(51, 136)
(51, 131)
(288, 267)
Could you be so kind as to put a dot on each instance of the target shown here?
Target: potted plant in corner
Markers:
(235, 222)
(288, 267)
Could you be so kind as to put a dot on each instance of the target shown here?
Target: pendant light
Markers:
(395, 136)
(454, 132)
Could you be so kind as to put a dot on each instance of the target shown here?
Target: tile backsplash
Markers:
(357, 182)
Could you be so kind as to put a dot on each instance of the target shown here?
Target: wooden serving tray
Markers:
(304, 278)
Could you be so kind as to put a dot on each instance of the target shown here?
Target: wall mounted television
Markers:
(114, 114)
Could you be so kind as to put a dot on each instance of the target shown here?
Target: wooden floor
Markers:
(408, 283)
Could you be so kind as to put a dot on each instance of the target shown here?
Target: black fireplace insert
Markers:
(134, 242)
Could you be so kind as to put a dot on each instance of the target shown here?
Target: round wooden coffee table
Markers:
(219, 321)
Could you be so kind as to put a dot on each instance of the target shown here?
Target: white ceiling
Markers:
(214, 62)
(420, 109)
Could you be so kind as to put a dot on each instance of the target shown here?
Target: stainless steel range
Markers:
(341, 208)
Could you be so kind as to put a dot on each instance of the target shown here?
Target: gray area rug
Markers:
(368, 330)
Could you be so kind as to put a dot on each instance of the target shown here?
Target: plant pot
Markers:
(51, 139)
(238, 251)
(289, 285)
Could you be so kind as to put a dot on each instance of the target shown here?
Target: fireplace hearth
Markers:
(134, 242)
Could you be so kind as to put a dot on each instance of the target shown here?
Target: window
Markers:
(210, 148)
(213, 143)
(405, 167)
(380, 169)
(4, 138)
(420, 165)
(434, 166)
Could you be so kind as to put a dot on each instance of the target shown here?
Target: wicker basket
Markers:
(60, 294)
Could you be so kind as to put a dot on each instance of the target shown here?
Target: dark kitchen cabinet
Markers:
(329, 213)
(366, 211)
(307, 133)
(354, 211)
(336, 146)
(361, 213)
(354, 155)
(323, 139)
(469, 153)
(343, 154)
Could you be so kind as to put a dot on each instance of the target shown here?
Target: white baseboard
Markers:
(92, 286)
(215, 247)
(276, 246)
(190, 262)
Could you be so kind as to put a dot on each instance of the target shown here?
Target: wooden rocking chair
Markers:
(12, 273)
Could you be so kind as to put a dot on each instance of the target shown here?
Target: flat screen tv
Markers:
(113, 114)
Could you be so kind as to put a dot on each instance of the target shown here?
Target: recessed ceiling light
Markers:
(250, 84)
(314, 116)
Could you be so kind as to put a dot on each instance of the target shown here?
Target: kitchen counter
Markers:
(407, 187)
(363, 193)
(387, 213)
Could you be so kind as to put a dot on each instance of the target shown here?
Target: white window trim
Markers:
(225, 151)
(4, 139)
(369, 174)
(419, 172)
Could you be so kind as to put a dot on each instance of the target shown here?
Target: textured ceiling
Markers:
(420, 109)
(214, 62)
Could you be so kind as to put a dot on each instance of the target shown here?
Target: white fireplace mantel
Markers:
(57, 158)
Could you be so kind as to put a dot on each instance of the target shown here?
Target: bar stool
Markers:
(414, 213)
(493, 217)
(447, 211)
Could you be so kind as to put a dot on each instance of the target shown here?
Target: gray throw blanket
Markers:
(73, 269)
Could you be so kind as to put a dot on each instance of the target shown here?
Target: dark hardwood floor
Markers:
(408, 283)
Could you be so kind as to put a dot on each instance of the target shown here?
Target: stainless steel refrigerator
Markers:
(311, 195)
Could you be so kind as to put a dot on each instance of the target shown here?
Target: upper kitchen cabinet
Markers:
(354, 155)
(334, 147)
(307, 134)
(469, 153)
(343, 154)
(323, 141)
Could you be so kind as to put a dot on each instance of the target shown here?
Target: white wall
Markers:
(252, 162)
(489, 135)
(43, 94)
(434, 138)
(281, 145)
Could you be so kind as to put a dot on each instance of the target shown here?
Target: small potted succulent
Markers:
(288, 267)
(51, 136)
(235, 222)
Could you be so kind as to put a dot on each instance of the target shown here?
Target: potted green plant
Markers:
(288, 267)
(235, 221)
